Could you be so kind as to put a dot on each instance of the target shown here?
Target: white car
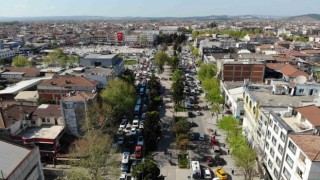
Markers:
(123, 124)
(128, 128)
(135, 123)
(133, 131)
(123, 177)
(141, 125)
(198, 113)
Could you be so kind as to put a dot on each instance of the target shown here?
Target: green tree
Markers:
(181, 125)
(160, 59)
(96, 155)
(146, 170)
(194, 34)
(120, 96)
(177, 74)
(206, 71)
(177, 91)
(21, 61)
(182, 141)
(195, 52)
(210, 83)
(228, 124)
(173, 62)
(152, 130)
(128, 76)
(246, 159)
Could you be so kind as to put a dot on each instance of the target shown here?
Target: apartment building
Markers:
(6, 54)
(73, 108)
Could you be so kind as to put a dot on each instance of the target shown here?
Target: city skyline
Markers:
(164, 8)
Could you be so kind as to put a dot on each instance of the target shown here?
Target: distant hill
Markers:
(305, 17)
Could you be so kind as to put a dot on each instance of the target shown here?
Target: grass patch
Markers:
(179, 108)
(183, 161)
(130, 62)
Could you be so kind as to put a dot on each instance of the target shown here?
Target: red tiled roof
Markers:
(47, 110)
(14, 113)
(311, 51)
(309, 145)
(29, 72)
(283, 59)
(61, 81)
(274, 66)
(294, 53)
(311, 113)
(289, 70)
(80, 96)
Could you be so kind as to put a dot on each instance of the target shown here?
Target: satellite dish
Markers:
(301, 79)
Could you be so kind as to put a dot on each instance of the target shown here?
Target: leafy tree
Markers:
(228, 124)
(173, 62)
(177, 91)
(181, 126)
(152, 130)
(128, 76)
(146, 170)
(206, 71)
(95, 154)
(195, 52)
(120, 96)
(177, 74)
(21, 61)
(246, 159)
(160, 59)
(182, 141)
(194, 34)
(210, 83)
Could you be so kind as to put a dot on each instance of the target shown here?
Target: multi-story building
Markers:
(6, 54)
(239, 71)
(107, 60)
(19, 161)
(73, 108)
(60, 86)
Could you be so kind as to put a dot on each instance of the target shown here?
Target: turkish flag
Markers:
(120, 36)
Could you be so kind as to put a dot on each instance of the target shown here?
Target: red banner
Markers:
(120, 36)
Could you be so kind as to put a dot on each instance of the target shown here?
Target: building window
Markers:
(275, 173)
(278, 161)
(272, 152)
(286, 173)
(270, 122)
(267, 145)
(280, 149)
(302, 158)
(292, 147)
(301, 90)
(274, 141)
(289, 160)
(254, 110)
(299, 172)
(241, 112)
(33, 122)
(43, 120)
(276, 128)
(282, 136)
(270, 164)
(250, 104)
(48, 119)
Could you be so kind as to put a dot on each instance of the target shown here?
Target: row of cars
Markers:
(133, 130)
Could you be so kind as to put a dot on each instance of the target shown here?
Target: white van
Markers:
(196, 171)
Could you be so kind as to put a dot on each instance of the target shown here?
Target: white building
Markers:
(169, 29)
(234, 102)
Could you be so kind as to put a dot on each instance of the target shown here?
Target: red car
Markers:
(137, 152)
(209, 161)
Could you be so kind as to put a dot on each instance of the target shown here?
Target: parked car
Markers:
(120, 140)
(128, 128)
(135, 123)
(209, 161)
(216, 150)
(199, 113)
(133, 131)
(220, 173)
(207, 174)
(201, 136)
(138, 152)
(140, 141)
(123, 124)
(123, 176)
(141, 125)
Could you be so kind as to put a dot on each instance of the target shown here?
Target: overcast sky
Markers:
(156, 8)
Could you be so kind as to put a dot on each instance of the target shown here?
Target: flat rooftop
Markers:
(22, 85)
(266, 98)
(11, 156)
(232, 85)
(295, 125)
(46, 132)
